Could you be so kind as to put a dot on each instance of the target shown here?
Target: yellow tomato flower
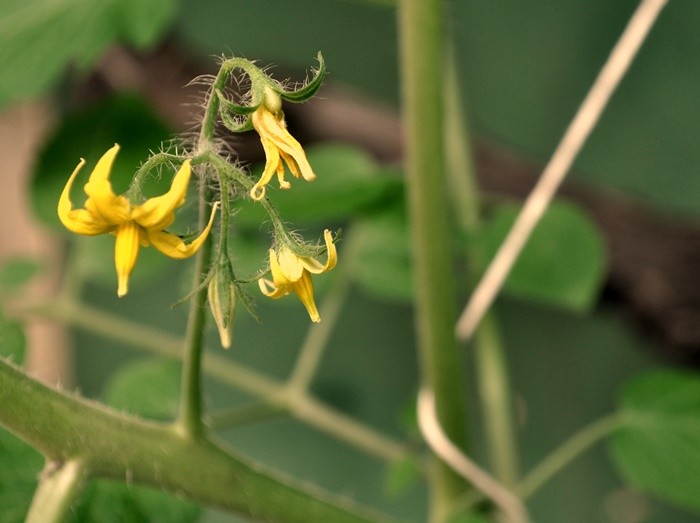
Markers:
(133, 225)
(280, 148)
(291, 272)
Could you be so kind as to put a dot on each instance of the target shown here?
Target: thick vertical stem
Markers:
(421, 46)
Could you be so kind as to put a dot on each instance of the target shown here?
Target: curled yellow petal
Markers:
(102, 202)
(78, 221)
(313, 265)
(173, 246)
(159, 212)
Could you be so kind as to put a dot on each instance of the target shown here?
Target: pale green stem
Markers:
(267, 389)
(190, 414)
(491, 366)
(421, 48)
(554, 463)
(568, 452)
(317, 336)
(59, 484)
(244, 415)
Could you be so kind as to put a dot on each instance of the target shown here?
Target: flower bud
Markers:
(221, 294)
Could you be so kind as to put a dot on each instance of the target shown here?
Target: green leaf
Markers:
(15, 272)
(385, 266)
(39, 39)
(19, 469)
(147, 387)
(563, 263)
(348, 182)
(12, 340)
(658, 447)
(112, 502)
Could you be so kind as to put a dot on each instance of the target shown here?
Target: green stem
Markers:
(317, 336)
(491, 366)
(59, 485)
(421, 46)
(267, 389)
(568, 452)
(116, 446)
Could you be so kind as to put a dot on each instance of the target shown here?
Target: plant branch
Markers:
(554, 173)
(508, 502)
(267, 389)
(566, 453)
(112, 445)
(421, 47)
(59, 484)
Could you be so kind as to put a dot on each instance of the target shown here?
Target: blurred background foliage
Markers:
(569, 329)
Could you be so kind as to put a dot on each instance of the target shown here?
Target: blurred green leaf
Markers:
(112, 502)
(146, 387)
(658, 447)
(563, 263)
(15, 272)
(347, 182)
(126, 120)
(12, 340)
(401, 476)
(19, 469)
(384, 268)
(39, 39)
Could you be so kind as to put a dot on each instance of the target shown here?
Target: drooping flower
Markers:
(280, 146)
(133, 225)
(291, 272)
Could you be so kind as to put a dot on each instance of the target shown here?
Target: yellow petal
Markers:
(173, 246)
(78, 221)
(126, 252)
(102, 202)
(159, 212)
(272, 163)
(304, 288)
(285, 267)
(272, 128)
(314, 266)
(268, 289)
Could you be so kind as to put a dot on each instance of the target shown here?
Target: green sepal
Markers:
(309, 88)
(236, 125)
(227, 106)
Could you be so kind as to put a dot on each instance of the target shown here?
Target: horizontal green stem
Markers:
(272, 391)
(112, 445)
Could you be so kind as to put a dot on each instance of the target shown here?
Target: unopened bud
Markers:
(222, 301)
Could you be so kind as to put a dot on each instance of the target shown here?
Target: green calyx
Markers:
(263, 91)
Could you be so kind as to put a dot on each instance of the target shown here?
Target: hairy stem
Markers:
(112, 445)
(420, 29)
(265, 388)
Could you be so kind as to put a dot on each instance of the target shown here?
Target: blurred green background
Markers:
(525, 67)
